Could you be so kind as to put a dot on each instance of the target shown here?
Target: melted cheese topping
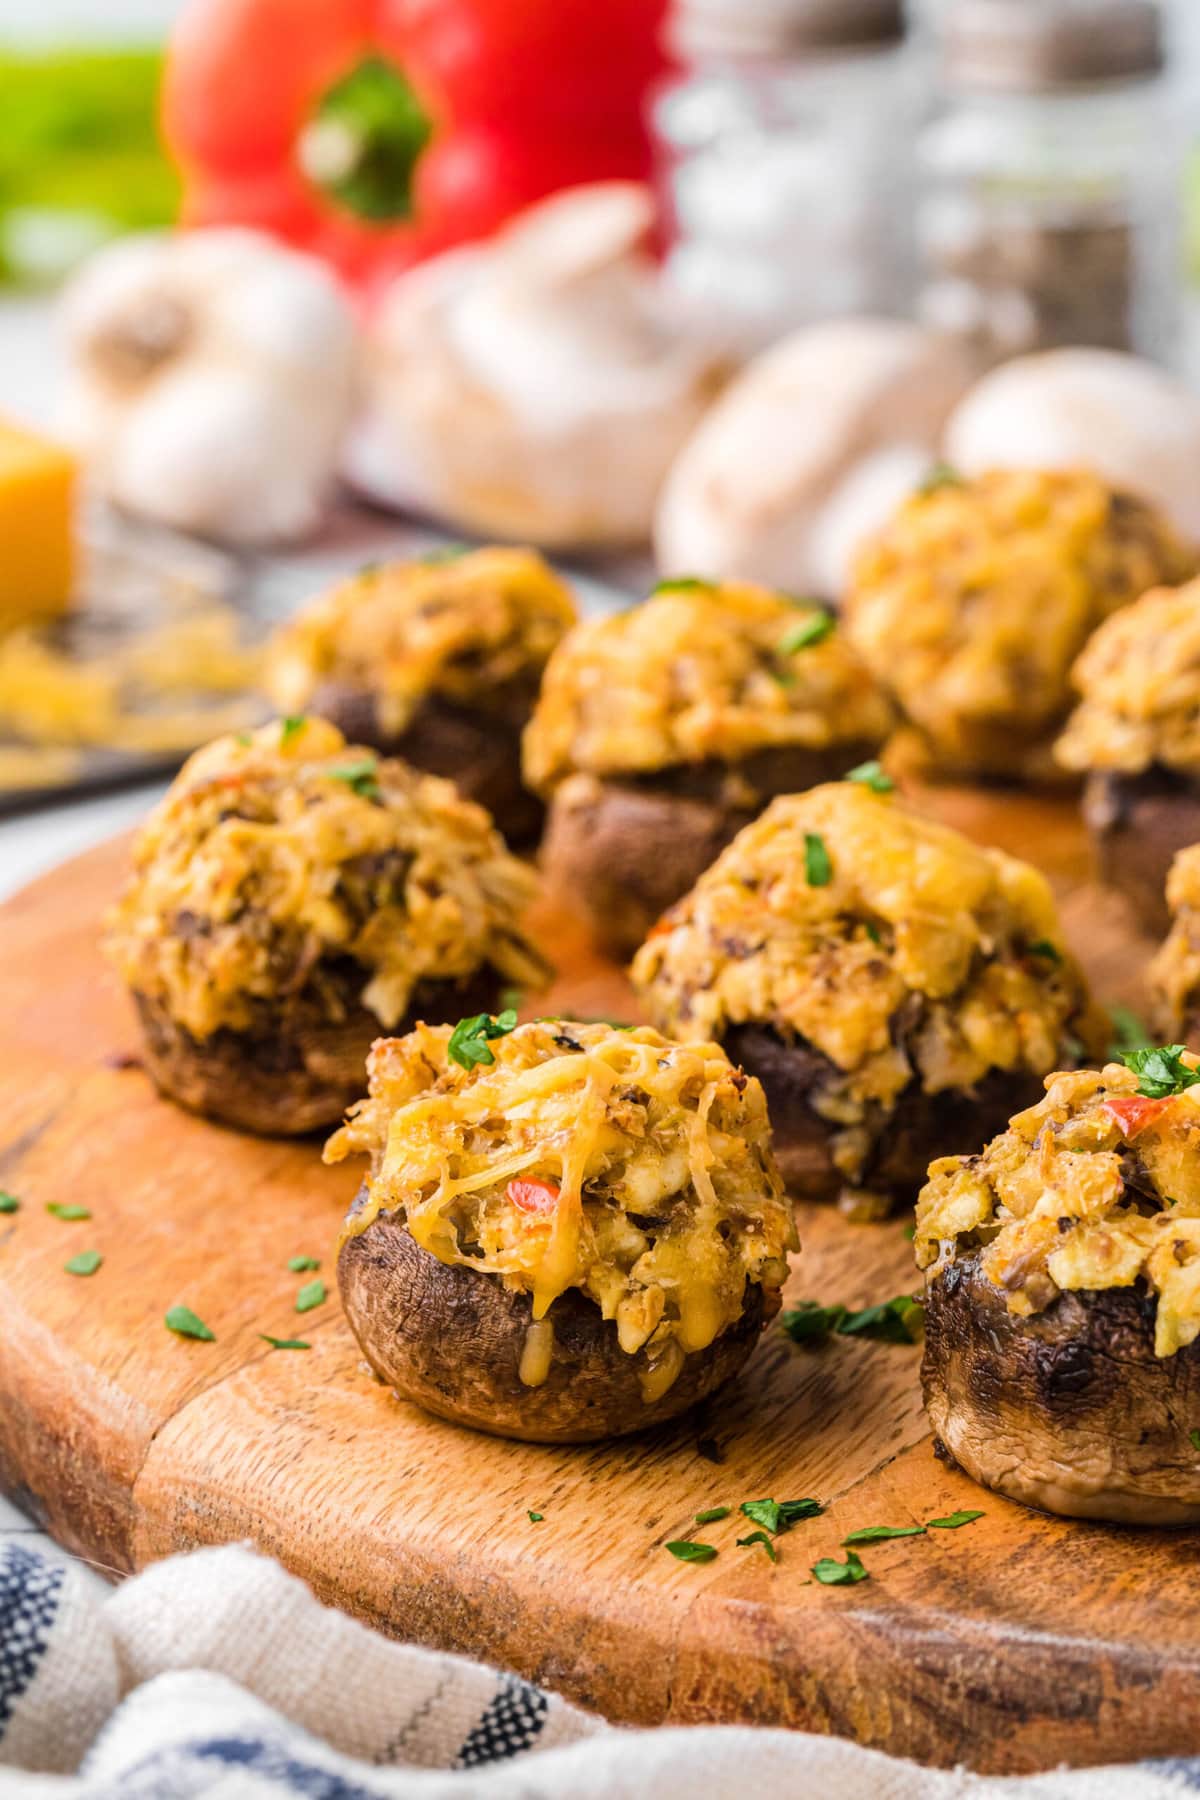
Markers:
(914, 961)
(461, 627)
(664, 1198)
(973, 603)
(696, 672)
(1080, 1194)
(1174, 972)
(1140, 681)
(278, 850)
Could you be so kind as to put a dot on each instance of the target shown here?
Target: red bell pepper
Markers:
(375, 132)
(534, 1196)
(1130, 1113)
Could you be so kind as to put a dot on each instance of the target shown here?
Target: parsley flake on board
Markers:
(310, 1295)
(362, 777)
(759, 1537)
(61, 1209)
(897, 1321)
(535, 1518)
(780, 1515)
(285, 1343)
(871, 775)
(1162, 1070)
(813, 630)
(940, 475)
(1194, 1438)
(688, 1551)
(877, 1534)
(818, 865)
(288, 728)
(299, 1265)
(952, 1521)
(86, 1263)
(712, 1515)
(184, 1323)
(1128, 1033)
(832, 1573)
(9, 1202)
(469, 1040)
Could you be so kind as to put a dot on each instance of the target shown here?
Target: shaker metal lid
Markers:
(1035, 45)
(771, 28)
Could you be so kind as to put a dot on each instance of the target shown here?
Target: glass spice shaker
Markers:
(785, 163)
(1051, 180)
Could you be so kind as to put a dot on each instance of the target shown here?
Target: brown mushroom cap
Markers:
(1069, 1409)
(451, 1340)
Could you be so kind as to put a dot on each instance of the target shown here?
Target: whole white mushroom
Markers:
(535, 386)
(209, 380)
(1124, 418)
(807, 451)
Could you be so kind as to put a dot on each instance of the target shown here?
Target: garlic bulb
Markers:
(1123, 417)
(209, 381)
(534, 387)
(809, 450)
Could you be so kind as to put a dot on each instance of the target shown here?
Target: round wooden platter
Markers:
(1011, 1644)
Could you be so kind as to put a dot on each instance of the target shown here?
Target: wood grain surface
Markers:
(1011, 1644)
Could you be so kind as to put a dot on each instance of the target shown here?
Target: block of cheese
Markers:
(37, 547)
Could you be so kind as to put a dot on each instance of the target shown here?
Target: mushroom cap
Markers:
(1126, 418)
(808, 449)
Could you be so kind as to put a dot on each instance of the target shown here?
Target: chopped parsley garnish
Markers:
(361, 776)
(1043, 947)
(872, 775)
(468, 1045)
(713, 1514)
(683, 584)
(535, 1518)
(876, 1534)
(1128, 1033)
(9, 1202)
(952, 1521)
(779, 1515)
(1194, 1437)
(940, 475)
(832, 1573)
(86, 1263)
(61, 1209)
(289, 727)
(285, 1343)
(184, 1323)
(873, 932)
(813, 630)
(1162, 1070)
(897, 1321)
(818, 867)
(310, 1295)
(687, 1551)
(759, 1537)
(299, 1265)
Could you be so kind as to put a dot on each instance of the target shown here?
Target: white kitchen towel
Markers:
(218, 1676)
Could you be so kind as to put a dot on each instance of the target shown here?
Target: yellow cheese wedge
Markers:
(37, 550)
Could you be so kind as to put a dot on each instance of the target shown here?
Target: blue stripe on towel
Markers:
(1185, 1769)
(29, 1593)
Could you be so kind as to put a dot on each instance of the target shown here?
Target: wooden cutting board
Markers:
(1013, 1643)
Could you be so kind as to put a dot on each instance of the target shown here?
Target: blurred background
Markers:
(673, 284)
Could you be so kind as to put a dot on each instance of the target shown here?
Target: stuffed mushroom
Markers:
(894, 987)
(291, 897)
(973, 603)
(1061, 1362)
(662, 730)
(1136, 737)
(437, 661)
(569, 1231)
